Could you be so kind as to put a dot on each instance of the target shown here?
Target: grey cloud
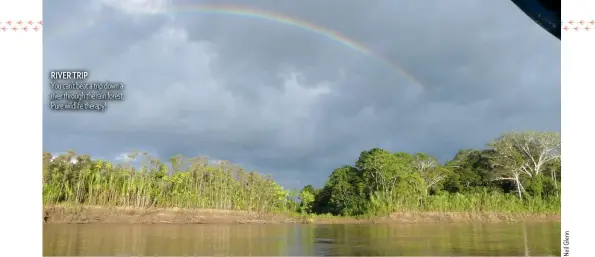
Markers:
(294, 104)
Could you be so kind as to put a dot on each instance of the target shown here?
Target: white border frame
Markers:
(20, 131)
(578, 100)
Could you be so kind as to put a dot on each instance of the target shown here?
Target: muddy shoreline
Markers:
(127, 215)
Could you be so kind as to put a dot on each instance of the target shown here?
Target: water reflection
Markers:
(526, 240)
(304, 240)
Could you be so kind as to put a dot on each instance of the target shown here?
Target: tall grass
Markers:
(480, 202)
(489, 202)
(77, 179)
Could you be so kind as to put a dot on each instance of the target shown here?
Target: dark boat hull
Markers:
(546, 13)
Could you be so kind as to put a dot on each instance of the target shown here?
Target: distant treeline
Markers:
(518, 172)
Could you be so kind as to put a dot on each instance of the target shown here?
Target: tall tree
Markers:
(469, 169)
(429, 169)
(346, 191)
(380, 170)
(523, 154)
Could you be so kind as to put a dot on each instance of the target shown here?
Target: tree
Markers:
(310, 189)
(537, 148)
(555, 169)
(306, 198)
(429, 170)
(468, 170)
(380, 171)
(521, 155)
(508, 163)
(346, 191)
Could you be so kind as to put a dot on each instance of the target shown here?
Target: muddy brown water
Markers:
(511, 239)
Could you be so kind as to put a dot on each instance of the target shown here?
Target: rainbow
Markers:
(287, 20)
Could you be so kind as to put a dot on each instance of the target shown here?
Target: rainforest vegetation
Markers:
(516, 172)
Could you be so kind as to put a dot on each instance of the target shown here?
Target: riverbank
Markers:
(62, 214)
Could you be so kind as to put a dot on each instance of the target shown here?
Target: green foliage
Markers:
(470, 170)
(72, 178)
(307, 198)
(519, 172)
(344, 192)
(489, 180)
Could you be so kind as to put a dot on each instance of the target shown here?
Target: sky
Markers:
(292, 103)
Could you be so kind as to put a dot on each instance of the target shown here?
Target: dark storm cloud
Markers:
(289, 102)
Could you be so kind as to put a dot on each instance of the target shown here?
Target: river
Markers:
(509, 239)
